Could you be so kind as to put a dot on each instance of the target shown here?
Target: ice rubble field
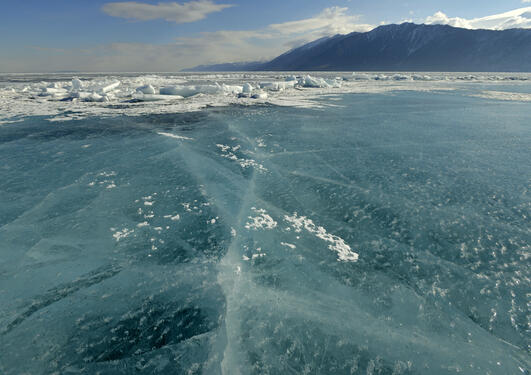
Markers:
(383, 232)
(66, 98)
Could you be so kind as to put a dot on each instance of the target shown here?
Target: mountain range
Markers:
(404, 47)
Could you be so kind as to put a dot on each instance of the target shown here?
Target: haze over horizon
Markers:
(154, 36)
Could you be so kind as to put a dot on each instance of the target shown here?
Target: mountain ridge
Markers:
(409, 47)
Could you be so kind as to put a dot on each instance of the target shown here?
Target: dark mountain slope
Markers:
(411, 47)
(405, 47)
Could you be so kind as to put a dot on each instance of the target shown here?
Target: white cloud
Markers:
(269, 42)
(440, 18)
(526, 1)
(519, 18)
(330, 21)
(173, 12)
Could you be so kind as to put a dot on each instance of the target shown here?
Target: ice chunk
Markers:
(89, 96)
(394, 77)
(187, 91)
(400, 77)
(82, 95)
(173, 90)
(232, 89)
(110, 87)
(247, 88)
(259, 95)
(277, 86)
(77, 84)
(146, 89)
(359, 77)
(154, 97)
(417, 77)
(315, 82)
(52, 91)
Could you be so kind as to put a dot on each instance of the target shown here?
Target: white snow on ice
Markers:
(69, 98)
(171, 135)
(261, 221)
(336, 244)
(506, 96)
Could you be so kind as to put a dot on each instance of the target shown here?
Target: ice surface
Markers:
(67, 98)
(378, 234)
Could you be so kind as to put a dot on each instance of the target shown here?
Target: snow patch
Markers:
(124, 233)
(173, 217)
(171, 135)
(505, 96)
(336, 244)
(291, 246)
(262, 221)
(228, 152)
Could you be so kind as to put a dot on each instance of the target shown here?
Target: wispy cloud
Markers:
(173, 12)
(231, 45)
(270, 41)
(330, 21)
(203, 48)
(518, 18)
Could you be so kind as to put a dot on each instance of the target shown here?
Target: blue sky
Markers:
(100, 35)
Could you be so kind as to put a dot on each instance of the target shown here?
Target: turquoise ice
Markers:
(382, 234)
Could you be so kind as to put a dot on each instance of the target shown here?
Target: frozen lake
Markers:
(383, 231)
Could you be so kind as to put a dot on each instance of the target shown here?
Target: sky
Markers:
(167, 36)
